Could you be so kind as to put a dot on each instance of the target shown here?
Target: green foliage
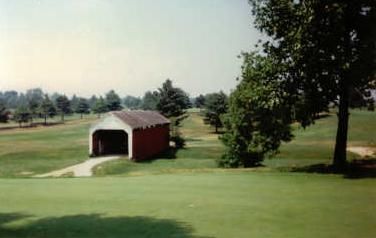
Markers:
(100, 106)
(113, 101)
(172, 101)
(216, 105)
(150, 101)
(74, 102)
(82, 107)
(47, 108)
(199, 101)
(257, 121)
(327, 49)
(63, 106)
(34, 99)
(3, 112)
(22, 115)
(132, 102)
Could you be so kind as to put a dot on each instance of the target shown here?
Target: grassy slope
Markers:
(36, 150)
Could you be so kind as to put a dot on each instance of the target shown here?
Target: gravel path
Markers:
(362, 151)
(79, 170)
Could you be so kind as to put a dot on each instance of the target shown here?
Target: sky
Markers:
(88, 47)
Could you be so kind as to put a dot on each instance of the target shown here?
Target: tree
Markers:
(327, 48)
(200, 101)
(63, 106)
(82, 107)
(132, 102)
(22, 115)
(258, 120)
(150, 100)
(100, 107)
(216, 106)
(47, 108)
(74, 102)
(172, 101)
(93, 99)
(10, 98)
(34, 99)
(113, 101)
(3, 112)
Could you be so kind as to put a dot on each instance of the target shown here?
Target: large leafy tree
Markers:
(215, 106)
(328, 48)
(113, 101)
(63, 106)
(258, 120)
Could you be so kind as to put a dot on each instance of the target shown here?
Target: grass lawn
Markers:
(28, 151)
(184, 196)
(216, 204)
(315, 144)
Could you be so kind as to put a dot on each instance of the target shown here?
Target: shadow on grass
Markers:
(357, 169)
(93, 225)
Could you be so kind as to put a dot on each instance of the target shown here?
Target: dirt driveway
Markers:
(79, 170)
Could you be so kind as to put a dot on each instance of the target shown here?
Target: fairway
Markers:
(222, 204)
(183, 193)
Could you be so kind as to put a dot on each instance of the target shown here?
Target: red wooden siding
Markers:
(150, 141)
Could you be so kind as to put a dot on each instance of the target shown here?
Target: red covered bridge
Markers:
(140, 134)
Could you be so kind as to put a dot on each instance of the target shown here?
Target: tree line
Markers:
(171, 101)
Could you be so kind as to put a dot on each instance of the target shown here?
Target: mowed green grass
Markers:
(218, 204)
(315, 144)
(29, 151)
(185, 196)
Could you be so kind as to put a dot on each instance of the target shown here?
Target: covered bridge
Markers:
(140, 134)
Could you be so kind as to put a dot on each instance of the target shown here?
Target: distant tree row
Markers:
(24, 108)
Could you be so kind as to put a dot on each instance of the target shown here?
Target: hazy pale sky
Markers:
(91, 46)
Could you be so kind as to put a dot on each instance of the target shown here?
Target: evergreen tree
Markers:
(113, 101)
(47, 108)
(150, 101)
(200, 101)
(100, 107)
(63, 106)
(22, 115)
(82, 107)
(3, 112)
(172, 101)
(132, 102)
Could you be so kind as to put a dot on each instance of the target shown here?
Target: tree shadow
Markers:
(93, 225)
(356, 169)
